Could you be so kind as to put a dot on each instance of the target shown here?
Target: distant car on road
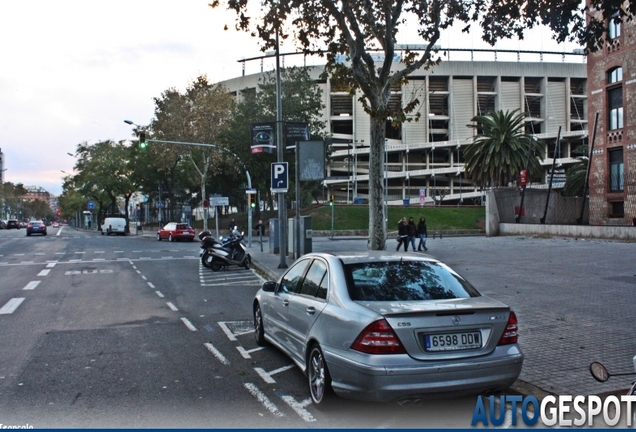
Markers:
(13, 223)
(387, 327)
(56, 224)
(113, 225)
(174, 231)
(36, 227)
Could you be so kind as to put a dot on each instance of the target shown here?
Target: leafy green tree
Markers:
(500, 149)
(358, 29)
(11, 199)
(301, 100)
(576, 175)
(200, 115)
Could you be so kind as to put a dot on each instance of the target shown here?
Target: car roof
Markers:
(354, 257)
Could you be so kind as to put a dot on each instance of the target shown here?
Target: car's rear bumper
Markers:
(404, 379)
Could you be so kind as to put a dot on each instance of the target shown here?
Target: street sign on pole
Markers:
(280, 177)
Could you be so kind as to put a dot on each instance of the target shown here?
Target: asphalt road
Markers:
(111, 332)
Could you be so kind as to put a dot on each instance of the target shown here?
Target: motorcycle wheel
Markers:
(206, 260)
(215, 265)
(248, 262)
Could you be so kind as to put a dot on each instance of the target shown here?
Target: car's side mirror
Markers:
(269, 286)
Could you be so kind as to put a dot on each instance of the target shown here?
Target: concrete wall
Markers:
(495, 228)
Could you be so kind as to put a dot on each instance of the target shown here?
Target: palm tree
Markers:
(576, 175)
(500, 150)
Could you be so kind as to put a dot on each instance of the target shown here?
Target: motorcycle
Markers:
(601, 374)
(230, 251)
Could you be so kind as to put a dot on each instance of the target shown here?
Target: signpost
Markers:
(215, 201)
(280, 177)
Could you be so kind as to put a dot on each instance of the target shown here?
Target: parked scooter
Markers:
(601, 374)
(230, 251)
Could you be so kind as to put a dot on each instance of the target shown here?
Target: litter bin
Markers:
(305, 236)
(358, 201)
(406, 202)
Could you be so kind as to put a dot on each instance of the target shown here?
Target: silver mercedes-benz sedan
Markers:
(383, 326)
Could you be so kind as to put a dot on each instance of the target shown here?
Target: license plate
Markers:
(452, 341)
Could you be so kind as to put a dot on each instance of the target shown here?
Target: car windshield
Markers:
(406, 280)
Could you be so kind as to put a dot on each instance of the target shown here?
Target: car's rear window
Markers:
(406, 280)
(183, 226)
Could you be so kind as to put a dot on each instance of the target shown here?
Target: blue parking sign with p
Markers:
(280, 177)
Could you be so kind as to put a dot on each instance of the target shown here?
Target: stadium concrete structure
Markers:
(424, 159)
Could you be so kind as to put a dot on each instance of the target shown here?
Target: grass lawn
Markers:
(356, 217)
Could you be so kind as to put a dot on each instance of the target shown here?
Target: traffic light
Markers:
(142, 140)
(331, 199)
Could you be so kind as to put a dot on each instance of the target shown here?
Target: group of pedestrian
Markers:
(408, 232)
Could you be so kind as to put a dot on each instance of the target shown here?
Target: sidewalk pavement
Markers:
(574, 299)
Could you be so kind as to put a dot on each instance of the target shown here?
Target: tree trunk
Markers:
(377, 226)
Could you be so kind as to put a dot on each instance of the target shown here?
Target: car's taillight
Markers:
(378, 338)
(511, 332)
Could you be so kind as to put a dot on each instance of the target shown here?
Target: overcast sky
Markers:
(73, 70)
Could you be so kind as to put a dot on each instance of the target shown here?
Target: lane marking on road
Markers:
(260, 396)
(82, 252)
(151, 285)
(227, 331)
(51, 264)
(246, 353)
(39, 253)
(189, 324)
(11, 305)
(220, 357)
(18, 254)
(299, 407)
(173, 307)
(31, 285)
(159, 294)
(267, 376)
(99, 252)
(44, 272)
(144, 277)
(118, 251)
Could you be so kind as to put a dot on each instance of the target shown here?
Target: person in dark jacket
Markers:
(422, 234)
(412, 229)
(403, 234)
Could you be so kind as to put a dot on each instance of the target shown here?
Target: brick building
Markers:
(611, 78)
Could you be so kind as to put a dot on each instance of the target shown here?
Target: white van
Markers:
(113, 225)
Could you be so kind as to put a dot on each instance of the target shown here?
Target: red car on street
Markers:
(174, 231)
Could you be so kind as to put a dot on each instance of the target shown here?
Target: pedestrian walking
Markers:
(231, 225)
(412, 229)
(422, 233)
(403, 234)
(260, 228)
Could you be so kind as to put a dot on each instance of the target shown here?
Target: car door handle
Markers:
(311, 310)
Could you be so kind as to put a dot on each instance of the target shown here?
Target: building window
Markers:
(616, 169)
(617, 209)
(615, 98)
(613, 29)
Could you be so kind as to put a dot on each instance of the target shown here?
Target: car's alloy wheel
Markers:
(259, 331)
(158, 236)
(318, 376)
